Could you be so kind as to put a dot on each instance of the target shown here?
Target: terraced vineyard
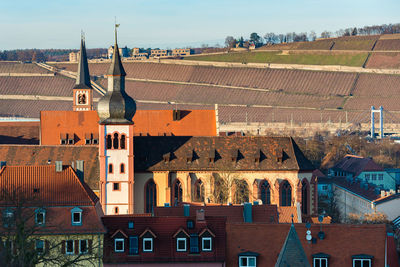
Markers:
(310, 58)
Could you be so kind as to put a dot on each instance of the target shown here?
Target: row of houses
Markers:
(61, 222)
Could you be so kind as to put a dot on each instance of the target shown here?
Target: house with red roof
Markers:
(187, 240)
(48, 212)
(333, 245)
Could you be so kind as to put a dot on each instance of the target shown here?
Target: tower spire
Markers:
(83, 77)
(116, 68)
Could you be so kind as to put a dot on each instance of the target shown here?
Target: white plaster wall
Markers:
(117, 196)
(350, 203)
(123, 209)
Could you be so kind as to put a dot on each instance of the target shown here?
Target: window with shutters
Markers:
(69, 247)
(119, 245)
(147, 244)
(133, 245)
(83, 246)
(194, 243)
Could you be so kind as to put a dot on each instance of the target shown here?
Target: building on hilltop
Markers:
(48, 210)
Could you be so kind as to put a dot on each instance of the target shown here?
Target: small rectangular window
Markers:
(147, 244)
(324, 187)
(320, 262)
(88, 141)
(133, 245)
(361, 262)
(181, 244)
(83, 246)
(39, 246)
(367, 177)
(380, 176)
(69, 247)
(63, 141)
(131, 225)
(206, 244)
(76, 217)
(247, 261)
(373, 177)
(116, 187)
(119, 245)
(40, 218)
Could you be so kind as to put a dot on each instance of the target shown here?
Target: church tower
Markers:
(116, 110)
(83, 91)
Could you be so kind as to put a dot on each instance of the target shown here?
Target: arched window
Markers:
(150, 196)
(286, 194)
(122, 168)
(177, 193)
(115, 141)
(123, 141)
(265, 192)
(304, 197)
(198, 191)
(110, 168)
(109, 141)
(241, 192)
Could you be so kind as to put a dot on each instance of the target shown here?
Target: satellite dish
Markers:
(308, 237)
(308, 225)
(308, 232)
(321, 218)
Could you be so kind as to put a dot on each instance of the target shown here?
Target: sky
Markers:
(177, 23)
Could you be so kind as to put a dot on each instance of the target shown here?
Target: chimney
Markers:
(383, 193)
(80, 169)
(58, 166)
(186, 210)
(200, 215)
(2, 164)
(247, 212)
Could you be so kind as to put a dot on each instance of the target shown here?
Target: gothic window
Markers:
(199, 191)
(177, 193)
(304, 197)
(241, 194)
(109, 141)
(116, 141)
(122, 141)
(286, 194)
(265, 194)
(150, 196)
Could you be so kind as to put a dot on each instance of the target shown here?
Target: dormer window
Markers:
(320, 260)
(71, 138)
(362, 260)
(40, 216)
(248, 259)
(88, 139)
(181, 244)
(119, 245)
(148, 244)
(206, 244)
(63, 138)
(76, 216)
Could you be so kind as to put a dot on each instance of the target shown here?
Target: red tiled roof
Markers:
(32, 155)
(19, 132)
(234, 213)
(286, 213)
(164, 244)
(341, 242)
(44, 185)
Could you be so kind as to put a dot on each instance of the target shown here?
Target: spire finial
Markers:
(292, 218)
(116, 26)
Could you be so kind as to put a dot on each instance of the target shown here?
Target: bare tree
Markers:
(27, 242)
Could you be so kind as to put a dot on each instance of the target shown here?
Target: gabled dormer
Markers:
(40, 217)
(76, 216)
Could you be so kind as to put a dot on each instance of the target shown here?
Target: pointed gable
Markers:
(292, 252)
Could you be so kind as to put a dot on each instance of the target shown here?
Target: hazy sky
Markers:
(176, 23)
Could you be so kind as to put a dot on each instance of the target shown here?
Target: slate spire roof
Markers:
(83, 77)
(116, 68)
(292, 253)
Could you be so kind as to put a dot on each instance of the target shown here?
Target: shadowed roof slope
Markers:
(356, 165)
(227, 153)
(43, 184)
(292, 253)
